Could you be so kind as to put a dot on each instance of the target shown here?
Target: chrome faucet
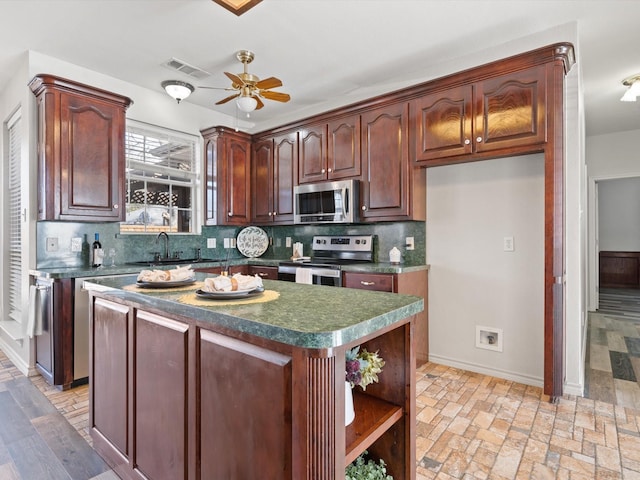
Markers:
(166, 243)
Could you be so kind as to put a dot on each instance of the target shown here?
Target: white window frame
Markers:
(190, 179)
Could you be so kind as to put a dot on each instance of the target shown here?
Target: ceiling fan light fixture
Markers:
(246, 103)
(177, 90)
(633, 90)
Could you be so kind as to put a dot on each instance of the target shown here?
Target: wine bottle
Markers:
(97, 254)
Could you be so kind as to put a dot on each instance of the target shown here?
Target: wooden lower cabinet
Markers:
(408, 283)
(171, 400)
(619, 269)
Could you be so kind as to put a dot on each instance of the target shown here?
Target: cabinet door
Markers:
(343, 150)
(510, 110)
(313, 154)
(385, 163)
(262, 182)
(160, 397)
(285, 160)
(91, 159)
(239, 381)
(237, 180)
(441, 122)
(109, 387)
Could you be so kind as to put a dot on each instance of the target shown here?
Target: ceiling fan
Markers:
(249, 88)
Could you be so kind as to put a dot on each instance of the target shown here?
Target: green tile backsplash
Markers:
(136, 247)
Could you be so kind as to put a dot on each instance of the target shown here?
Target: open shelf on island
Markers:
(373, 418)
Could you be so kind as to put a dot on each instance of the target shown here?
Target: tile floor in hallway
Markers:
(469, 426)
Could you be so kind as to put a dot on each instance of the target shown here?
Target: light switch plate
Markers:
(76, 244)
(508, 244)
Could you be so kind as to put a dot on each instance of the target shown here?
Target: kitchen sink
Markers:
(172, 261)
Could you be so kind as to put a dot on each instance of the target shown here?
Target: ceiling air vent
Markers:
(180, 66)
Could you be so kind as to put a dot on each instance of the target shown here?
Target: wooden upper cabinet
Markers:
(313, 154)
(343, 149)
(81, 159)
(273, 175)
(441, 123)
(510, 110)
(389, 184)
(227, 177)
(330, 151)
(500, 116)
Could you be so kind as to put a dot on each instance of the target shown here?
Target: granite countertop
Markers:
(308, 316)
(124, 269)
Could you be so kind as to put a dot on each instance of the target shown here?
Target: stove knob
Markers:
(357, 242)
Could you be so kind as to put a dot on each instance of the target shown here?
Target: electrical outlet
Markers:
(409, 245)
(508, 244)
(211, 243)
(287, 242)
(226, 243)
(52, 244)
(233, 242)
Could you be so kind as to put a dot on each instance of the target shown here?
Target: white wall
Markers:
(472, 281)
(619, 214)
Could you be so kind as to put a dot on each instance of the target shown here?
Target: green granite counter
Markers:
(309, 316)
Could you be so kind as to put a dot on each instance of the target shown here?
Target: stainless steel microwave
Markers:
(326, 202)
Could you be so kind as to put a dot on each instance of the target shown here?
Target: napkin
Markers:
(177, 274)
(237, 282)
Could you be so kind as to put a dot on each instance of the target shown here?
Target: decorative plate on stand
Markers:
(252, 242)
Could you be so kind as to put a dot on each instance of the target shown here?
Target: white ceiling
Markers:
(327, 52)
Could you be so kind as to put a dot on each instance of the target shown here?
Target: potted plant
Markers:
(362, 469)
(362, 368)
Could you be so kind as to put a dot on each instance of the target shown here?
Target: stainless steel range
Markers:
(330, 253)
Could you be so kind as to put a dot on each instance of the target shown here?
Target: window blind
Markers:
(15, 216)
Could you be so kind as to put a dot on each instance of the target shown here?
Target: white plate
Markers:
(252, 242)
(167, 284)
(230, 295)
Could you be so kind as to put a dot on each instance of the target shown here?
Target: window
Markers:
(162, 180)
(14, 230)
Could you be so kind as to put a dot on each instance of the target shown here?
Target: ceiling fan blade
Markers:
(235, 79)
(225, 100)
(260, 104)
(277, 96)
(271, 82)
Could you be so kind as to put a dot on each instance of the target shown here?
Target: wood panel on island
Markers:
(81, 159)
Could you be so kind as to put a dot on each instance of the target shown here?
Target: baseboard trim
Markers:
(16, 359)
(484, 370)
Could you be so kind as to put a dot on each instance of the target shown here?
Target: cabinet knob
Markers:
(269, 213)
(229, 214)
(329, 170)
(115, 206)
(364, 207)
(275, 213)
(323, 170)
(262, 274)
(479, 139)
(367, 284)
(467, 141)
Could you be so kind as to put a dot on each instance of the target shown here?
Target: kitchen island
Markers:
(183, 388)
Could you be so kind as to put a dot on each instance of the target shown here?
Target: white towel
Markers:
(34, 321)
(304, 275)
